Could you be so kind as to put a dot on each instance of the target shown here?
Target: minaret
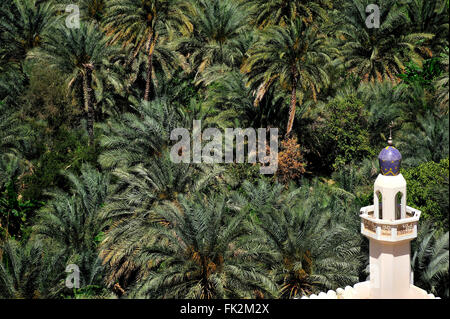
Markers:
(390, 226)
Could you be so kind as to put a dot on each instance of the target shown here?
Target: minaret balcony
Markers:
(389, 230)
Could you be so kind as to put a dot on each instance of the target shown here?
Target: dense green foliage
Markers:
(428, 190)
(86, 116)
(344, 132)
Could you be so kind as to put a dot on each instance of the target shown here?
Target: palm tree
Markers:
(378, 53)
(282, 12)
(430, 17)
(71, 224)
(71, 219)
(136, 149)
(134, 138)
(30, 270)
(20, 269)
(197, 253)
(302, 230)
(430, 260)
(294, 57)
(82, 55)
(227, 92)
(24, 25)
(141, 23)
(138, 190)
(217, 36)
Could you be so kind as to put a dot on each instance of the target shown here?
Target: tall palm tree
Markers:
(136, 149)
(430, 260)
(197, 253)
(302, 229)
(281, 12)
(141, 23)
(378, 53)
(83, 56)
(217, 35)
(294, 57)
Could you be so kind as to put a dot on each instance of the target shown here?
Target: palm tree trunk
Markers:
(293, 102)
(89, 109)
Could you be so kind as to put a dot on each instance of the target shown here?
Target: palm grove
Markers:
(85, 121)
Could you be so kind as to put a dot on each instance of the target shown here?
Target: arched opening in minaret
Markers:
(380, 205)
(398, 205)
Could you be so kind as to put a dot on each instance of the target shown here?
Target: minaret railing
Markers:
(389, 230)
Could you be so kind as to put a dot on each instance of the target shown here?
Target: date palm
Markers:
(70, 219)
(138, 190)
(143, 24)
(93, 9)
(430, 17)
(217, 35)
(24, 24)
(83, 56)
(30, 270)
(20, 269)
(134, 138)
(227, 91)
(430, 260)
(70, 223)
(378, 53)
(307, 245)
(197, 253)
(136, 149)
(294, 58)
(281, 12)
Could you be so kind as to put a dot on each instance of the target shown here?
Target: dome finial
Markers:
(390, 141)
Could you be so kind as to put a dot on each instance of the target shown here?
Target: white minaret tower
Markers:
(390, 226)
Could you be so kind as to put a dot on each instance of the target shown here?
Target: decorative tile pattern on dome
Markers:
(390, 160)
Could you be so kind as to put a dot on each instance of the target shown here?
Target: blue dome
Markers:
(390, 160)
